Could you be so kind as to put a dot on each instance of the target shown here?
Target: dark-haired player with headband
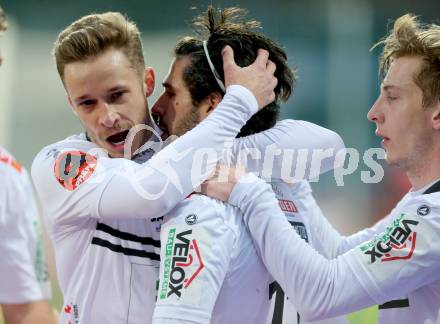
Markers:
(210, 270)
(24, 281)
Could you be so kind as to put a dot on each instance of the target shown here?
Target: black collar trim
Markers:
(434, 188)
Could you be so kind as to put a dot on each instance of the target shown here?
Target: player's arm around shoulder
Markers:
(195, 254)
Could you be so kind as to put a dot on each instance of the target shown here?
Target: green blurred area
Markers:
(366, 316)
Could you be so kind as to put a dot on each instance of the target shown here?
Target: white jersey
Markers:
(210, 270)
(104, 214)
(303, 213)
(397, 269)
(24, 275)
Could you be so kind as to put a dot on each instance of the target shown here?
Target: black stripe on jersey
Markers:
(145, 240)
(434, 188)
(398, 303)
(124, 250)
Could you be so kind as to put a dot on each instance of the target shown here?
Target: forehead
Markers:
(174, 77)
(110, 66)
(402, 71)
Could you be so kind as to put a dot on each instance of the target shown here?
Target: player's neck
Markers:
(427, 171)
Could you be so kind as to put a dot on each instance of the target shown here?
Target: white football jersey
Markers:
(210, 270)
(303, 213)
(397, 269)
(104, 214)
(24, 275)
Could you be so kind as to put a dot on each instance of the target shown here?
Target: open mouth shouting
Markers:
(117, 140)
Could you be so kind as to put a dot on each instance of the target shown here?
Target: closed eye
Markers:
(87, 103)
(116, 95)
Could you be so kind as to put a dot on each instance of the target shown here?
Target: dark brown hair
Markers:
(228, 27)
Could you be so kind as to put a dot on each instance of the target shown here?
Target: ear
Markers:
(69, 100)
(212, 101)
(436, 116)
(148, 81)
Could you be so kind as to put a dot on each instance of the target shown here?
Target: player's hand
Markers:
(258, 77)
(222, 182)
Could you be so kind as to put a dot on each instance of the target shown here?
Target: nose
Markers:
(375, 113)
(109, 116)
(159, 107)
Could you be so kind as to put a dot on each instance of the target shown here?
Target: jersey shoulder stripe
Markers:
(434, 188)
(128, 237)
(144, 240)
(397, 303)
(124, 250)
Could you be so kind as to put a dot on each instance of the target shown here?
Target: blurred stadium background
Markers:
(328, 40)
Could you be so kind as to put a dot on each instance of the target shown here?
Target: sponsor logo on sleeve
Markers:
(397, 243)
(406, 240)
(74, 168)
(182, 265)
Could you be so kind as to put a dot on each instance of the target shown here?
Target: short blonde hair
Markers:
(409, 37)
(3, 23)
(92, 35)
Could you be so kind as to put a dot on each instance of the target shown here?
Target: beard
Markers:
(187, 123)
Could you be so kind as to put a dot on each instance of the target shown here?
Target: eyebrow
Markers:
(116, 88)
(389, 87)
(87, 96)
(167, 85)
(79, 99)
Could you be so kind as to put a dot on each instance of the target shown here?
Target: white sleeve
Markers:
(74, 184)
(24, 274)
(351, 241)
(330, 242)
(371, 273)
(194, 262)
(292, 150)
(173, 321)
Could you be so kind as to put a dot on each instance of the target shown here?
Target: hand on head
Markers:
(258, 77)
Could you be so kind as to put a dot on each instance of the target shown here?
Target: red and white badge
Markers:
(73, 168)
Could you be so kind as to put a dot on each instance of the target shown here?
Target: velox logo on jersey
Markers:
(72, 168)
(183, 263)
(397, 243)
(408, 239)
